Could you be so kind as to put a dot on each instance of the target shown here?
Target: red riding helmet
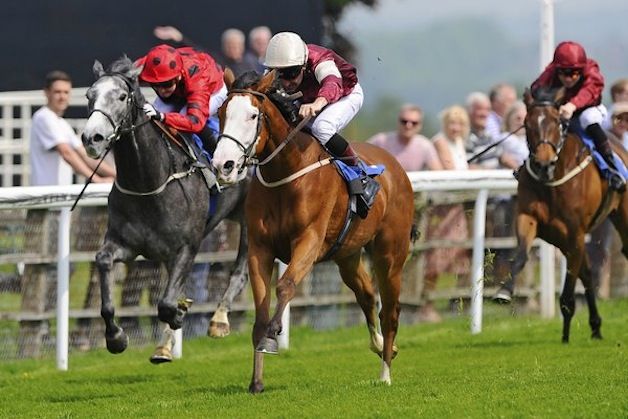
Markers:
(162, 63)
(570, 54)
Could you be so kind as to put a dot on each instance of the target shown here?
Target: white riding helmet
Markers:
(285, 49)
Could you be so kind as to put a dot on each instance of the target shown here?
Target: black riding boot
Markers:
(366, 187)
(209, 139)
(602, 144)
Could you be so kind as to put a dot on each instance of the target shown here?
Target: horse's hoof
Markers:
(118, 342)
(218, 329)
(565, 340)
(503, 296)
(256, 388)
(162, 354)
(268, 346)
(596, 335)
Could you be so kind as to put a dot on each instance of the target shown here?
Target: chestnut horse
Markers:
(562, 196)
(296, 208)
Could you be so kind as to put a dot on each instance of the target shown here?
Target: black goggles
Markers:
(289, 73)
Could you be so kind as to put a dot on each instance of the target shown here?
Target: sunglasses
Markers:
(569, 72)
(289, 73)
(408, 121)
(165, 85)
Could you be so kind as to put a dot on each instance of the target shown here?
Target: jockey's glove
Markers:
(153, 113)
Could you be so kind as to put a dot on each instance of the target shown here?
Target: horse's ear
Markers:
(228, 77)
(267, 82)
(98, 69)
(527, 97)
(559, 96)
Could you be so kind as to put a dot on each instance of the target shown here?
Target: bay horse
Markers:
(159, 205)
(296, 209)
(561, 196)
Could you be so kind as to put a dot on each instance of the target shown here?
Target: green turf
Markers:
(516, 367)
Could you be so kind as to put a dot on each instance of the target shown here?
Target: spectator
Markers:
(478, 108)
(412, 150)
(619, 93)
(599, 246)
(332, 96)
(447, 221)
(259, 37)
(502, 96)
(515, 146)
(56, 153)
(232, 46)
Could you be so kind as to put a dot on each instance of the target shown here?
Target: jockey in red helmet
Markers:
(189, 85)
(581, 77)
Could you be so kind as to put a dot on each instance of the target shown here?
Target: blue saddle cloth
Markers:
(350, 173)
(597, 157)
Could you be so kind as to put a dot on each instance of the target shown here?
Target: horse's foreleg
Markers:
(163, 351)
(219, 323)
(595, 321)
(567, 297)
(300, 265)
(260, 269)
(526, 232)
(117, 340)
(170, 309)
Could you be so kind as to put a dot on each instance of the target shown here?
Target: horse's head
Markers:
(245, 125)
(545, 131)
(112, 104)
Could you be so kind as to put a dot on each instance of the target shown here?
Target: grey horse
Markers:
(159, 205)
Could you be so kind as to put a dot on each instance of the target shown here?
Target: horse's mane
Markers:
(548, 94)
(246, 80)
(122, 65)
(289, 110)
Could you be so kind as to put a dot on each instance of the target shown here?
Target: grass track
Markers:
(516, 367)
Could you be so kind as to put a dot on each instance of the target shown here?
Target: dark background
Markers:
(37, 36)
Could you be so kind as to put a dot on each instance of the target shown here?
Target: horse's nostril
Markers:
(98, 138)
(228, 167)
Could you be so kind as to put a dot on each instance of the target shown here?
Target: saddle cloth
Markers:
(597, 157)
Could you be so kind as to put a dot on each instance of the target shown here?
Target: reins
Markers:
(495, 144)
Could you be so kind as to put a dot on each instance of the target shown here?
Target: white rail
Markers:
(480, 181)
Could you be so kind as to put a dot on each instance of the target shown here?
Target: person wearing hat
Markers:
(581, 77)
(332, 95)
(619, 123)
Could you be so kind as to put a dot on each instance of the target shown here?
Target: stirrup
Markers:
(370, 187)
(617, 182)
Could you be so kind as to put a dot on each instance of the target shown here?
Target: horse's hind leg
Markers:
(526, 232)
(355, 276)
(117, 340)
(219, 323)
(619, 218)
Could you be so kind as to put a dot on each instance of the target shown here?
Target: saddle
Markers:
(362, 188)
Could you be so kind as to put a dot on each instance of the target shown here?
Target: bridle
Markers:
(248, 156)
(564, 124)
(125, 126)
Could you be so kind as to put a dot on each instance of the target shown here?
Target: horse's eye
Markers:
(253, 116)
(122, 97)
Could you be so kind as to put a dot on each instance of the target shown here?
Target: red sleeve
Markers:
(331, 89)
(590, 94)
(202, 77)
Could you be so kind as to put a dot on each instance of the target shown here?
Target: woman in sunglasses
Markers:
(190, 89)
(584, 84)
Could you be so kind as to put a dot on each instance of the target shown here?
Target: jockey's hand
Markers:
(312, 109)
(566, 111)
(153, 113)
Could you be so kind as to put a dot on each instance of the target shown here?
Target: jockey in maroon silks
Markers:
(332, 95)
(584, 84)
(189, 86)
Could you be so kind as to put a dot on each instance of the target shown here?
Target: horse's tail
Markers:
(414, 233)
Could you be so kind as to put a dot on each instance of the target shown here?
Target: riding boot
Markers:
(209, 139)
(603, 146)
(365, 188)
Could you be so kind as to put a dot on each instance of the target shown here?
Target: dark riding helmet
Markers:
(571, 55)
(161, 64)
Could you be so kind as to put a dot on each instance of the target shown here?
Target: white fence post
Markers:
(548, 282)
(63, 289)
(477, 267)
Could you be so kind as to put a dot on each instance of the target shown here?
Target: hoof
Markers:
(218, 329)
(161, 355)
(596, 335)
(503, 296)
(171, 315)
(118, 342)
(256, 388)
(268, 346)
